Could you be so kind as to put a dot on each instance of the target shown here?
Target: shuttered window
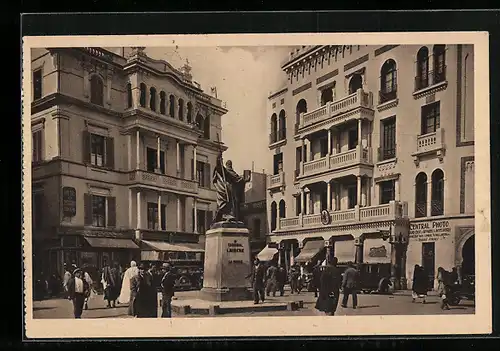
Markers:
(203, 174)
(99, 211)
(98, 150)
(37, 146)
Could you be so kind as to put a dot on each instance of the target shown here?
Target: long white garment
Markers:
(124, 297)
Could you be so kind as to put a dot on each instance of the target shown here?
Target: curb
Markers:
(213, 310)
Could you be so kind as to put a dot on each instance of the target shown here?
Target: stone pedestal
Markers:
(227, 263)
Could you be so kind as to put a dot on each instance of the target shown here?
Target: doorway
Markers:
(428, 262)
(469, 257)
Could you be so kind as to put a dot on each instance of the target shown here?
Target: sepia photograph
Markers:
(198, 179)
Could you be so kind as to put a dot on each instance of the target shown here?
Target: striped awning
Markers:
(166, 246)
(267, 254)
(310, 249)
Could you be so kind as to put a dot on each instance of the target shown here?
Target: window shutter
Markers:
(111, 211)
(86, 146)
(192, 169)
(193, 213)
(110, 152)
(87, 208)
(207, 176)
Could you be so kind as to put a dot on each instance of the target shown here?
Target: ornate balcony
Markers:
(276, 182)
(140, 177)
(430, 144)
(355, 106)
(338, 161)
(386, 212)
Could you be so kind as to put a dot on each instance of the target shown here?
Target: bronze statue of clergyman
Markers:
(230, 188)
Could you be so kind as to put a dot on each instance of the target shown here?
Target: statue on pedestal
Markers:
(230, 188)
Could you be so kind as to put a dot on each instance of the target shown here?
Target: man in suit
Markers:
(272, 279)
(78, 291)
(141, 293)
(167, 290)
(258, 276)
(329, 288)
(350, 285)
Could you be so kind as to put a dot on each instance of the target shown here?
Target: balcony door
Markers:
(352, 196)
(278, 163)
(428, 262)
(352, 138)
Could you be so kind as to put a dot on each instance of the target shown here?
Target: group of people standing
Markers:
(446, 282)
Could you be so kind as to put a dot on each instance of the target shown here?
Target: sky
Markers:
(244, 77)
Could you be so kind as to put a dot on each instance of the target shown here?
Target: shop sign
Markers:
(69, 201)
(430, 231)
(236, 252)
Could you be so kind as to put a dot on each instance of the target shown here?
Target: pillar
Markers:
(329, 142)
(130, 216)
(394, 266)
(360, 126)
(178, 157)
(137, 150)
(396, 189)
(334, 197)
(358, 189)
(429, 197)
(329, 196)
(292, 255)
(129, 152)
(303, 145)
(194, 161)
(403, 281)
(279, 255)
(159, 211)
(158, 149)
(139, 222)
(179, 214)
(195, 214)
(302, 202)
(359, 250)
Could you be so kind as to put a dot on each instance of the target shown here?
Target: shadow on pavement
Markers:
(105, 308)
(42, 308)
(369, 306)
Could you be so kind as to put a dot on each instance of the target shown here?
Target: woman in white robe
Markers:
(124, 297)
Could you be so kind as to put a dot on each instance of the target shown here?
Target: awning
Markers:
(345, 251)
(376, 250)
(310, 249)
(267, 254)
(165, 246)
(111, 243)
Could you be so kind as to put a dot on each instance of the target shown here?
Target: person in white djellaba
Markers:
(124, 297)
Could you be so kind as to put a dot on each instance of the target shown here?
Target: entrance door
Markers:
(352, 138)
(428, 262)
(468, 257)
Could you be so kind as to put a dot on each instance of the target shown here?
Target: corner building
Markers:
(123, 147)
(373, 157)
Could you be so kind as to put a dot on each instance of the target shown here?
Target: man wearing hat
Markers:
(78, 291)
(257, 277)
(167, 290)
(142, 292)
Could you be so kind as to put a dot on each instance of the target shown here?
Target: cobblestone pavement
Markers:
(399, 304)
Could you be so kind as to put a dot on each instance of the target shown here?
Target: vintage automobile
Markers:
(371, 276)
(464, 291)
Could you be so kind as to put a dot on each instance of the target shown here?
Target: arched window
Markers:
(438, 52)
(189, 116)
(274, 215)
(326, 95)
(388, 81)
(199, 122)
(206, 127)
(96, 90)
(282, 209)
(422, 79)
(181, 110)
(282, 125)
(129, 95)
(142, 99)
(171, 104)
(301, 108)
(163, 102)
(421, 195)
(152, 99)
(437, 200)
(355, 83)
(274, 128)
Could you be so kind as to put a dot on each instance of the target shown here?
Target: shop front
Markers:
(444, 242)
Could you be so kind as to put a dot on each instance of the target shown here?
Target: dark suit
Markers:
(167, 292)
(329, 289)
(143, 296)
(77, 298)
(350, 285)
(258, 276)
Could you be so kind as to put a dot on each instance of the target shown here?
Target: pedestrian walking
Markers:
(141, 286)
(152, 305)
(443, 278)
(124, 297)
(350, 285)
(111, 284)
(294, 276)
(329, 288)
(419, 286)
(66, 277)
(316, 278)
(78, 291)
(90, 282)
(281, 280)
(257, 276)
(272, 277)
(167, 290)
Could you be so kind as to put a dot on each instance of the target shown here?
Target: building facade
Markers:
(373, 154)
(254, 211)
(122, 153)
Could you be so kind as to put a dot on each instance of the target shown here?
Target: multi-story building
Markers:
(373, 156)
(123, 147)
(253, 211)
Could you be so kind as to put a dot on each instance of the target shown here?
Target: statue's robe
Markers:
(229, 192)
